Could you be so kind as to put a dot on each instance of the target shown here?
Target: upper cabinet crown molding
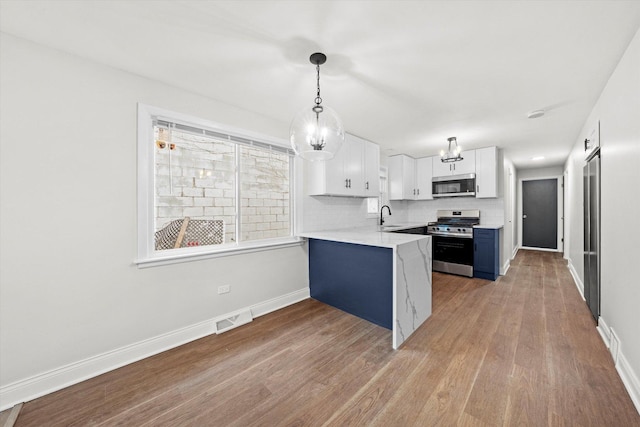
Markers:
(353, 171)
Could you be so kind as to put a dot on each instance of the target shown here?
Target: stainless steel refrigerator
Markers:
(592, 233)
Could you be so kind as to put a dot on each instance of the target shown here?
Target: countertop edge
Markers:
(366, 238)
(489, 226)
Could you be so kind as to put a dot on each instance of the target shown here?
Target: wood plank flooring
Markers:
(519, 351)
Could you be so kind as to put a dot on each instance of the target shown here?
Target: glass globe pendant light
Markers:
(316, 133)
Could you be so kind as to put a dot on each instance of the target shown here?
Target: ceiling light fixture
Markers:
(451, 155)
(535, 159)
(535, 114)
(316, 133)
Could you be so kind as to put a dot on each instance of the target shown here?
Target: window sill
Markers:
(200, 253)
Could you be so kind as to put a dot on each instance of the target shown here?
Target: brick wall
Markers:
(195, 177)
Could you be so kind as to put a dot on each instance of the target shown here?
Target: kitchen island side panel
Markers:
(354, 278)
(413, 289)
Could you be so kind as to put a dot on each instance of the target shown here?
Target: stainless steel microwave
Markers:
(454, 186)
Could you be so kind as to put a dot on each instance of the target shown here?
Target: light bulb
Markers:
(316, 136)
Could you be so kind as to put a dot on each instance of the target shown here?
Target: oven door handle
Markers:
(456, 235)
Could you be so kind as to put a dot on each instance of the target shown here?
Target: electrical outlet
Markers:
(224, 289)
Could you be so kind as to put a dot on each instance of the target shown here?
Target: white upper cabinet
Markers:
(487, 172)
(401, 177)
(464, 166)
(409, 178)
(424, 174)
(348, 173)
(371, 169)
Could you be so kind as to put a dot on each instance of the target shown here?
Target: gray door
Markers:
(540, 213)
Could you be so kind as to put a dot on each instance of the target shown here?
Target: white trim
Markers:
(505, 267)
(559, 214)
(625, 371)
(147, 256)
(604, 331)
(187, 254)
(576, 280)
(515, 252)
(539, 249)
(73, 373)
(629, 379)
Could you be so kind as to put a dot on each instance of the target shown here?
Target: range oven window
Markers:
(453, 250)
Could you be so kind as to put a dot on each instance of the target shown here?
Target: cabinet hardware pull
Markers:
(366, 187)
(346, 183)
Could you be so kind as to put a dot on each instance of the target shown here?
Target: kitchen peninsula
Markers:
(382, 277)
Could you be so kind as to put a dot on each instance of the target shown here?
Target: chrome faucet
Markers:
(381, 210)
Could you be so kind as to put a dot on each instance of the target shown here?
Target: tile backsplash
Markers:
(326, 212)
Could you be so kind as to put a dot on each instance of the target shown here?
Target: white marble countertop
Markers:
(489, 226)
(393, 226)
(370, 236)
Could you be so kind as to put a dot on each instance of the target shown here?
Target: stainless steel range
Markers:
(453, 241)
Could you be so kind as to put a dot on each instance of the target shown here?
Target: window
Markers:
(205, 189)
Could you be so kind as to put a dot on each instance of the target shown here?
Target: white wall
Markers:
(509, 237)
(539, 173)
(69, 289)
(618, 110)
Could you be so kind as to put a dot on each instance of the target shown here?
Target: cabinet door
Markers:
(409, 178)
(424, 169)
(334, 172)
(440, 168)
(486, 254)
(354, 165)
(371, 169)
(401, 177)
(394, 178)
(487, 172)
(466, 165)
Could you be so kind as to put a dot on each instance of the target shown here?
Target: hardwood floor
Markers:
(519, 351)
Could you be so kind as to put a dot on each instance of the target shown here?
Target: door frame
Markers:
(559, 214)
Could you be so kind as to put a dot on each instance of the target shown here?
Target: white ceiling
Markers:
(404, 74)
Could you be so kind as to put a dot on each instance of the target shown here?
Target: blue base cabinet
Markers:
(355, 278)
(486, 253)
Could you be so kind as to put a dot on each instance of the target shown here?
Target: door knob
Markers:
(524, 216)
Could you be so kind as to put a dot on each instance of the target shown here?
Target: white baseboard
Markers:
(629, 379)
(73, 373)
(505, 267)
(604, 331)
(625, 371)
(576, 279)
(532, 248)
(515, 252)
